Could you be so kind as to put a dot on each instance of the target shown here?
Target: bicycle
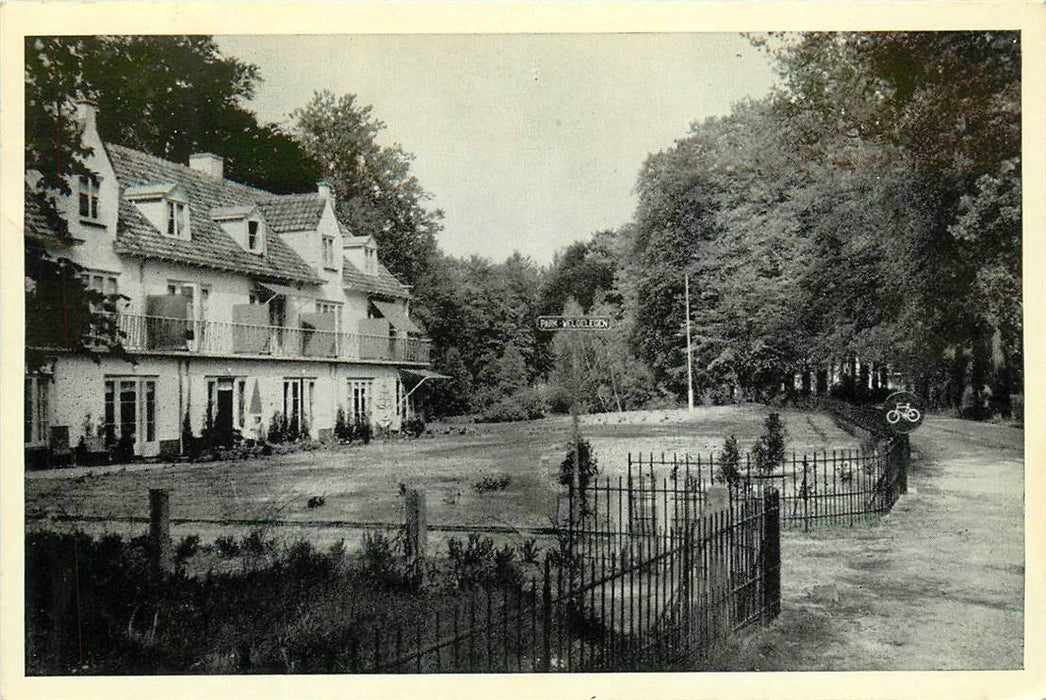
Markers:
(905, 411)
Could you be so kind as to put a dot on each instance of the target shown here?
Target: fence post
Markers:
(417, 532)
(904, 451)
(546, 619)
(771, 550)
(160, 529)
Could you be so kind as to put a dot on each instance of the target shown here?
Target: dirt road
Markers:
(938, 584)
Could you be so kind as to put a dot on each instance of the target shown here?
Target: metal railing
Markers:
(145, 333)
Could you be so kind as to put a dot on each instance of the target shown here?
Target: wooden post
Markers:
(417, 527)
(160, 529)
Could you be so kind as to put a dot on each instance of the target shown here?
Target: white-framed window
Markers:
(88, 197)
(328, 252)
(103, 282)
(298, 398)
(255, 237)
(331, 307)
(197, 293)
(177, 221)
(37, 413)
(360, 394)
(130, 410)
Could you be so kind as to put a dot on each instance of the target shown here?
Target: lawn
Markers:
(361, 484)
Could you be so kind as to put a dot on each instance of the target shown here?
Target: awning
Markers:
(288, 291)
(426, 374)
(396, 316)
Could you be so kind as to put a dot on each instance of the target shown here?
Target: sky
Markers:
(527, 142)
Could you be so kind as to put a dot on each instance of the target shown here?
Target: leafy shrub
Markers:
(316, 501)
(588, 465)
(769, 451)
(363, 430)
(530, 551)
(525, 404)
(729, 463)
(342, 429)
(278, 429)
(255, 543)
(492, 483)
(378, 560)
(414, 426)
(227, 546)
(187, 548)
(506, 570)
(472, 563)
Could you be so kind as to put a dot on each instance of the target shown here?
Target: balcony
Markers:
(159, 334)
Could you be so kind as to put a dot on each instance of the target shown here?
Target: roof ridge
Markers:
(188, 170)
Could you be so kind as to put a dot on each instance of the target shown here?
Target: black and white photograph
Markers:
(366, 354)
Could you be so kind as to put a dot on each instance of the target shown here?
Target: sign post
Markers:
(900, 412)
(574, 323)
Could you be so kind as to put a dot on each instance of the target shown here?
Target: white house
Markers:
(242, 304)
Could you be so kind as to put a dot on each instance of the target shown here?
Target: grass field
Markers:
(361, 484)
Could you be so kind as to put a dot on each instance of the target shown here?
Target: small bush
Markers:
(227, 546)
(255, 543)
(414, 426)
(492, 483)
(769, 451)
(316, 501)
(471, 563)
(729, 463)
(187, 548)
(530, 551)
(525, 404)
(378, 560)
(363, 430)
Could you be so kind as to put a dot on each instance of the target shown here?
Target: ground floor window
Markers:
(401, 400)
(37, 419)
(298, 394)
(360, 396)
(130, 409)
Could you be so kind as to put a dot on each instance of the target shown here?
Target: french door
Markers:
(130, 413)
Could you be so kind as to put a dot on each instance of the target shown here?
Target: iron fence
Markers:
(611, 596)
(841, 487)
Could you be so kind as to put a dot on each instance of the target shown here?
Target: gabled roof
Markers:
(292, 212)
(381, 283)
(210, 245)
(152, 190)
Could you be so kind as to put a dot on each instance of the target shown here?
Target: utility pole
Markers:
(689, 350)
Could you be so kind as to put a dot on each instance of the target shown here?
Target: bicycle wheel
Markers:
(892, 417)
(914, 415)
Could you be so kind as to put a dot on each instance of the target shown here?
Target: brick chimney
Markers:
(325, 191)
(208, 164)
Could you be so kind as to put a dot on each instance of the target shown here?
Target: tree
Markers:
(376, 193)
(166, 95)
(62, 313)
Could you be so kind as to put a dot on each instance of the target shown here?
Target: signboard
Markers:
(574, 323)
(900, 412)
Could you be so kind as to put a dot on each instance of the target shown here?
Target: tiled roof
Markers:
(42, 222)
(381, 283)
(210, 245)
(37, 222)
(292, 212)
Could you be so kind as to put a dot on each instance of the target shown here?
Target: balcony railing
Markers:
(160, 334)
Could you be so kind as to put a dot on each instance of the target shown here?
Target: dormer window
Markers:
(244, 224)
(253, 237)
(165, 205)
(176, 224)
(88, 192)
(369, 257)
